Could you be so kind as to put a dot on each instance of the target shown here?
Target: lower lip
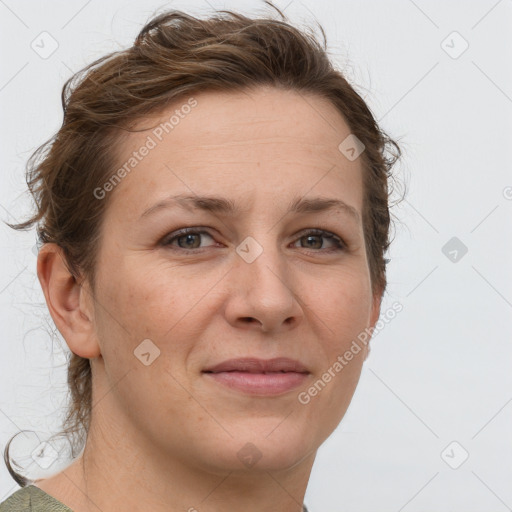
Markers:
(260, 383)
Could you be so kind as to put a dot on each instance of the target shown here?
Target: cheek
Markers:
(139, 307)
(146, 300)
(157, 303)
(341, 303)
(343, 313)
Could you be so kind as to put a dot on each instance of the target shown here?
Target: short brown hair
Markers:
(176, 54)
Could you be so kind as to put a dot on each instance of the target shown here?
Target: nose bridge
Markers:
(263, 261)
(263, 281)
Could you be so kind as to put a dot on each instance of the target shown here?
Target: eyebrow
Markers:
(222, 205)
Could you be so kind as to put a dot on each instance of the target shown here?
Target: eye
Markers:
(187, 238)
(190, 239)
(313, 240)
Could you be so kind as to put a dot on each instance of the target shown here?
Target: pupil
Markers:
(310, 237)
(189, 240)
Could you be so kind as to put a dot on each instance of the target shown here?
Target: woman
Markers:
(213, 215)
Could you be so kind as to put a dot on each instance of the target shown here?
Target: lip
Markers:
(259, 376)
(255, 365)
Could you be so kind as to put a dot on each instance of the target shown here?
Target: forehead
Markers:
(261, 143)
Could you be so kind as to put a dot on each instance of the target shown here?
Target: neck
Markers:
(117, 470)
(172, 485)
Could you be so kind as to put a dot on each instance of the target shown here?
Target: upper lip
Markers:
(255, 365)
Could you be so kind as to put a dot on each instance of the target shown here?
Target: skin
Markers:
(164, 437)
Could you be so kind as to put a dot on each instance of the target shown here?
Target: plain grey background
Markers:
(430, 424)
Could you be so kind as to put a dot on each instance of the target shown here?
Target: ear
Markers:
(374, 317)
(69, 303)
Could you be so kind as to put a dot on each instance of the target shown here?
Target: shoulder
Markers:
(32, 499)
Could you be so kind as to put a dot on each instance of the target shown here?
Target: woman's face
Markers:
(252, 282)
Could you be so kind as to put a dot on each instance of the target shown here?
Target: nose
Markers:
(263, 293)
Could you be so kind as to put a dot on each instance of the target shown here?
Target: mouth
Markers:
(259, 376)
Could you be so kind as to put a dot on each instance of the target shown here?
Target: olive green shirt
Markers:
(33, 499)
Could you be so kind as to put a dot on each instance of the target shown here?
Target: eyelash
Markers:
(166, 242)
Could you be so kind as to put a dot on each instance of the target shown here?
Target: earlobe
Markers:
(66, 301)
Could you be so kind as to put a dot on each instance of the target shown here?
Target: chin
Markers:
(255, 449)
